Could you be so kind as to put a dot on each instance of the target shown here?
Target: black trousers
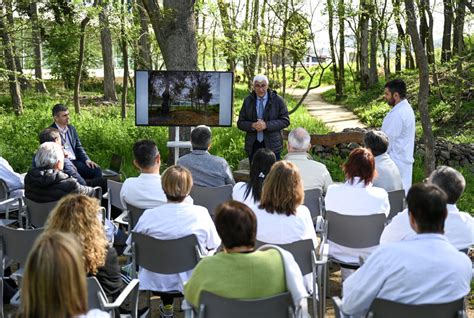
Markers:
(257, 145)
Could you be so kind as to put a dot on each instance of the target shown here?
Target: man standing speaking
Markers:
(263, 116)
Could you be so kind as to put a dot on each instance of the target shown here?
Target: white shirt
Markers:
(388, 176)
(424, 270)
(145, 191)
(238, 194)
(172, 221)
(313, 173)
(277, 228)
(458, 228)
(355, 199)
(13, 179)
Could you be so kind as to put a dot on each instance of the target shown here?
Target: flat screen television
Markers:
(183, 98)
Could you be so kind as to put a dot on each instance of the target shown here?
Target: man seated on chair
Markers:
(313, 173)
(173, 220)
(458, 227)
(145, 191)
(87, 168)
(14, 182)
(388, 177)
(207, 170)
(426, 269)
(254, 274)
(47, 182)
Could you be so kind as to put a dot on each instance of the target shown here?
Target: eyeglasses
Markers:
(260, 86)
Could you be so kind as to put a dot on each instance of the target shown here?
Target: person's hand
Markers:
(263, 124)
(259, 125)
(91, 164)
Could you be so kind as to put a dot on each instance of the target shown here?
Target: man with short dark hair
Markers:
(263, 116)
(387, 177)
(458, 227)
(207, 170)
(87, 168)
(399, 126)
(424, 270)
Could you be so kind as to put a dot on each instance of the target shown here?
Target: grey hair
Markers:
(450, 180)
(201, 137)
(48, 154)
(260, 78)
(299, 139)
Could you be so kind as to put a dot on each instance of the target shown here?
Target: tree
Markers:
(144, 60)
(107, 54)
(458, 31)
(364, 45)
(448, 25)
(424, 89)
(373, 75)
(38, 47)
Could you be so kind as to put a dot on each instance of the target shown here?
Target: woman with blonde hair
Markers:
(281, 217)
(54, 282)
(78, 214)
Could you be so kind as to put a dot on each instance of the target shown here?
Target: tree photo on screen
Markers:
(191, 98)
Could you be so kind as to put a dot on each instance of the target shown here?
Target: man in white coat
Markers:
(399, 126)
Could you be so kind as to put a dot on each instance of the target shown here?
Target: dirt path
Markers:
(336, 117)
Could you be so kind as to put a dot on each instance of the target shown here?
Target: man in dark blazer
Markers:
(87, 168)
(262, 117)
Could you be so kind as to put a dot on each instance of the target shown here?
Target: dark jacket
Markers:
(69, 169)
(275, 116)
(48, 185)
(109, 275)
(79, 151)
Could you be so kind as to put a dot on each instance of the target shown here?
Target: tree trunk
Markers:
(448, 25)
(458, 33)
(15, 91)
(341, 78)
(409, 61)
(123, 42)
(283, 50)
(144, 57)
(400, 36)
(426, 31)
(38, 48)
(107, 55)
(214, 48)
(332, 45)
(423, 92)
(364, 45)
(228, 34)
(204, 39)
(373, 76)
(80, 63)
(430, 41)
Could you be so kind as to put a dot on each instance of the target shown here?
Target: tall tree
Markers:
(124, 47)
(448, 25)
(38, 47)
(144, 61)
(15, 91)
(332, 47)
(229, 34)
(400, 36)
(107, 53)
(364, 44)
(458, 32)
(424, 86)
(373, 74)
(342, 17)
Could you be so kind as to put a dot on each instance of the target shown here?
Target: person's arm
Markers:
(71, 170)
(13, 179)
(229, 179)
(327, 180)
(245, 119)
(398, 229)
(392, 127)
(362, 287)
(283, 118)
(79, 151)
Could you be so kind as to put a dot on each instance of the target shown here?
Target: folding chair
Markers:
(213, 306)
(313, 201)
(98, 300)
(309, 261)
(211, 197)
(390, 309)
(355, 231)
(37, 213)
(168, 256)
(397, 202)
(9, 203)
(15, 245)
(134, 214)
(113, 191)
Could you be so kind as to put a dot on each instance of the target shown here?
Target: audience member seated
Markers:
(173, 220)
(458, 227)
(250, 192)
(87, 168)
(387, 176)
(78, 214)
(54, 281)
(47, 182)
(281, 217)
(255, 274)
(313, 173)
(145, 191)
(357, 196)
(207, 170)
(426, 269)
(13, 179)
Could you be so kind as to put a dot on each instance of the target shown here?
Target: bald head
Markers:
(298, 140)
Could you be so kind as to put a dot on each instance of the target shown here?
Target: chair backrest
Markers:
(4, 192)
(397, 202)
(213, 306)
(17, 243)
(93, 291)
(211, 197)
(168, 256)
(312, 200)
(113, 190)
(390, 309)
(134, 214)
(355, 231)
(37, 213)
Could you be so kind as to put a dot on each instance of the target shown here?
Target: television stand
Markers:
(177, 144)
